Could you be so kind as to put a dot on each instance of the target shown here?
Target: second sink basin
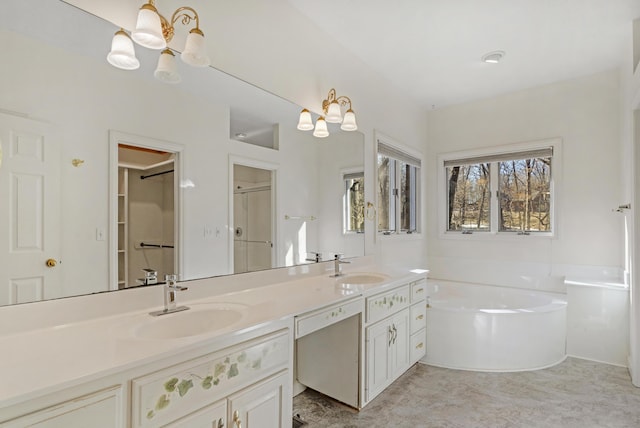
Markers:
(362, 278)
(199, 319)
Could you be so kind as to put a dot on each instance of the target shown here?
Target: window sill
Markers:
(400, 236)
(495, 236)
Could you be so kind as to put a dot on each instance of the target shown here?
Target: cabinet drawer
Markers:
(418, 317)
(418, 290)
(324, 317)
(172, 393)
(418, 345)
(385, 304)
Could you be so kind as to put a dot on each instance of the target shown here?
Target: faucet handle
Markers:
(338, 256)
(171, 278)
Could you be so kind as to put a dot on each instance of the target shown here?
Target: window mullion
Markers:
(495, 197)
(395, 222)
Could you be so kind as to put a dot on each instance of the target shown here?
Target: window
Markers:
(398, 181)
(354, 202)
(521, 182)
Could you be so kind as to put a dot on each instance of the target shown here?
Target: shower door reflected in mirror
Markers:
(252, 219)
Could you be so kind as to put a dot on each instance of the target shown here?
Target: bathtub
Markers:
(488, 328)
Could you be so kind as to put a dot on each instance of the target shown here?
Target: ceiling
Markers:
(431, 49)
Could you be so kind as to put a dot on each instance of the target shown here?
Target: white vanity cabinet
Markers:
(247, 385)
(242, 381)
(394, 334)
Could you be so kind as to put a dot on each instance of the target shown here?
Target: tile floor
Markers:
(575, 393)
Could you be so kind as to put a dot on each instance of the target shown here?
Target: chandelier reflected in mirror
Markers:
(332, 107)
(154, 31)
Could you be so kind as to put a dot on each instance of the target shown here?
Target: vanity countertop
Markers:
(43, 360)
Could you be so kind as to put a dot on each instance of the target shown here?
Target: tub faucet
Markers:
(171, 289)
(337, 262)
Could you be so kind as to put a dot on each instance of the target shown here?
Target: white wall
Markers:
(585, 114)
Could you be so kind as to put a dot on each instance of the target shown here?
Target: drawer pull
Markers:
(419, 317)
(420, 345)
(236, 419)
(419, 290)
(220, 423)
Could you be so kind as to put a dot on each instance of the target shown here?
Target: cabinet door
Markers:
(399, 349)
(261, 405)
(378, 338)
(213, 416)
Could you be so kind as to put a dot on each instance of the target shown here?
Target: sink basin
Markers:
(361, 278)
(199, 319)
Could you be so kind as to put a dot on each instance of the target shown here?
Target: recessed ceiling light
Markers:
(493, 57)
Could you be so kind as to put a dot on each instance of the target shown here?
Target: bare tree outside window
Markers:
(468, 204)
(354, 194)
(525, 195)
(522, 187)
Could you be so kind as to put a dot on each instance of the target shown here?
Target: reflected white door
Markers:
(29, 211)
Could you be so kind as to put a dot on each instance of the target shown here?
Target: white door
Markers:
(29, 211)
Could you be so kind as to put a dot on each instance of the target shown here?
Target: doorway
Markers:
(252, 219)
(145, 234)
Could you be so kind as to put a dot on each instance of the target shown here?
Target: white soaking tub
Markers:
(488, 328)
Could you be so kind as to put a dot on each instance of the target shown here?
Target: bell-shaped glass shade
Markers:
(148, 32)
(333, 113)
(349, 121)
(321, 130)
(167, 70)
(122, 54)
(195, 50)
(305, 123)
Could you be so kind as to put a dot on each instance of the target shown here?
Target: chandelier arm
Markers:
(344, 101)
(182, 12)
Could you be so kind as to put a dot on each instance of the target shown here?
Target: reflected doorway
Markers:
(252, 219)
(145, 238)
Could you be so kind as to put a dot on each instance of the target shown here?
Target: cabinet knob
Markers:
(419, 317)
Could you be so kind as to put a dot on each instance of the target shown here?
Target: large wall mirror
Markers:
(230, 185)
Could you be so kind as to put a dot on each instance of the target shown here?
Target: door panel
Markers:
(30, 212)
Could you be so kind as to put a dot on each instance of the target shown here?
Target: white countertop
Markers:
(43, 360)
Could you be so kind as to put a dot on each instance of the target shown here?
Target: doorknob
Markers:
(51, 263)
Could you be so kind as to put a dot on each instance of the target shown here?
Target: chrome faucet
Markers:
(337, 262)
(317, 257)
(171, 289)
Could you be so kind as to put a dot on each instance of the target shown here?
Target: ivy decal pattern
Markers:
(388, 302)
(226, 368)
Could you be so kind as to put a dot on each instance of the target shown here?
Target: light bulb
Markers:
(321, 130)
(148, 32)
(333, 113)
(195, 50)
(305, 123)
(122, 54)
(167, 70)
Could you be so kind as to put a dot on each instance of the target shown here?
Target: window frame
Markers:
(416, 202)
(348, 174)
(494, 233)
